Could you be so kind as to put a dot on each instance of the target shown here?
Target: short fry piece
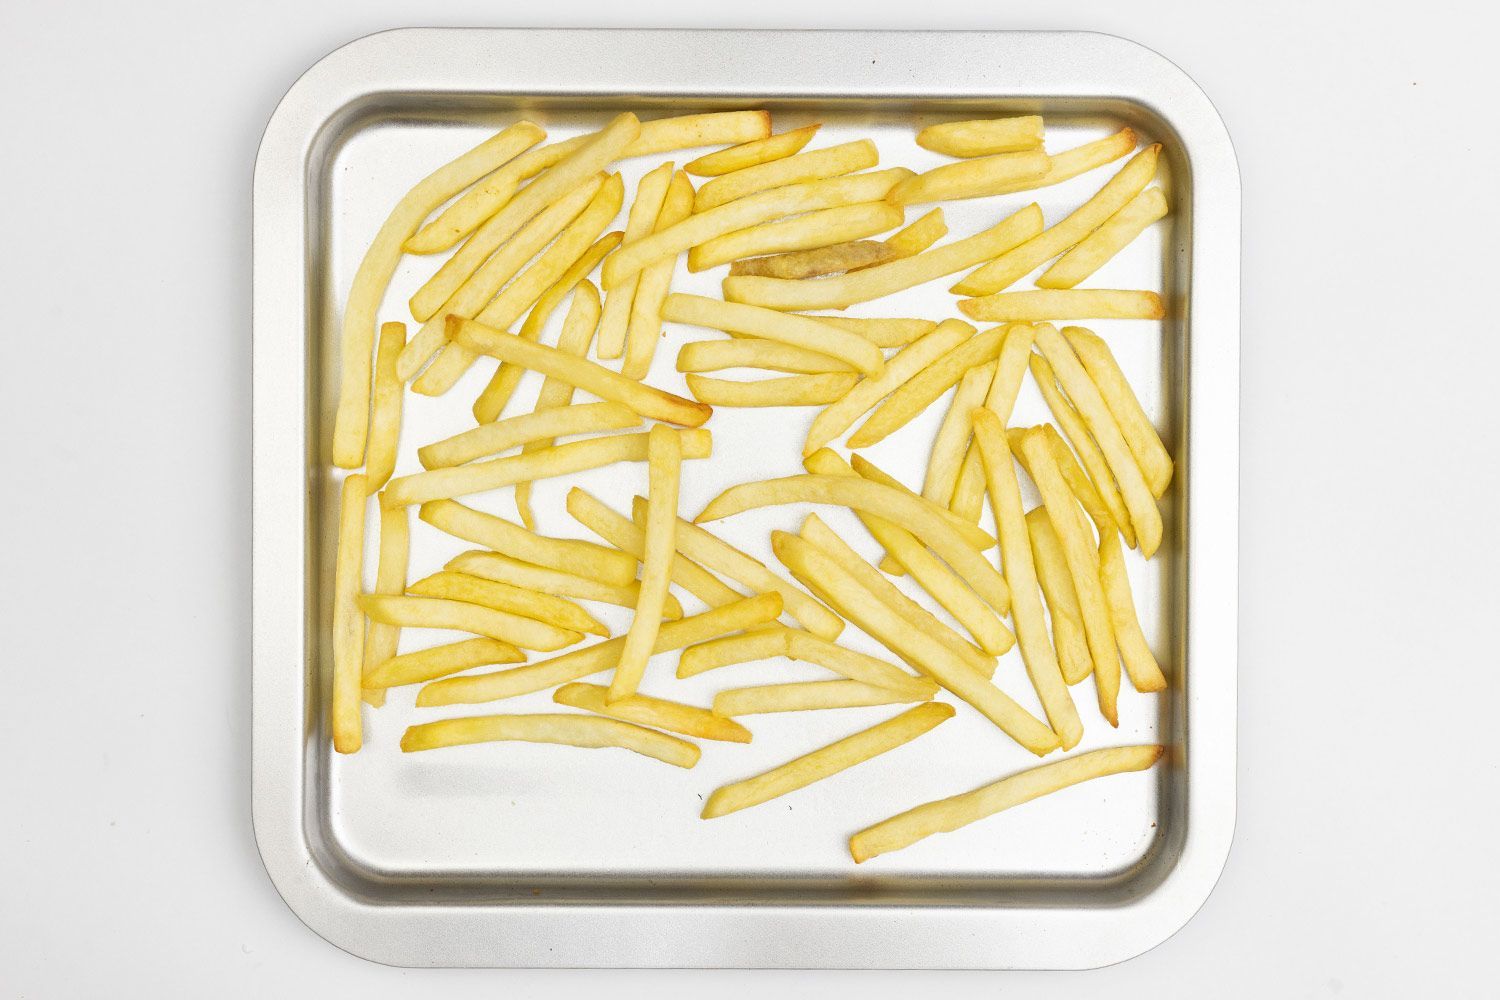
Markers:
(754, 352)
(665, 459)
(807, 696)
(802, 232)
(652, 285)
(947, 815)
(832, 161)
(385, 420)
(1093, 460)
(827, 761)
(769, 324)
(650, 194)
(591, 731)
(504, 569)
(1140, 434)
(761, 644)
(923, 389)
(836, 258)
(984, 137)
(1095, 250)
(1145, 673)
(570, 555)
(542, 425)
(550, 608)
(920, 234)
(381, 640)
(658, 713)
(1057, 586)
(975, 178)
(748, 154)
(434, 612)
(883, 332)
(1061, 304)
(348, 623)
(792, 390)
(440, 661)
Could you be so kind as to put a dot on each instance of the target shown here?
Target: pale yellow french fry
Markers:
(715, 128)
(832, 161)
(665, 456)
(920, 234)
(983, 137)
(885, 279)
(854, 665)
(454, 586)
(808, 696)
(543, 425)
(837, 258)
(1094, 251)
(440, 661)
(569, 555)
(475, 688)
(502, 385)
(385, 408)
(348, 622)
(827, 761)
(650, 194)
(768, 324)
(591, 731)
(1140, 434)
(1088, 451)
(947, 815)
(435, 612)
(1078, 481)
(1083, 567)
(1015, 264)
(979, 177)
(900, 370)
(802, 232)
(381, 640)
(882, 332)
(357, 340)
(792, 390)
(470, 210)
(748, 154)
(754, 352)
(1078, 160)
(653, 282)
(794, 199)
(968, 491)
(1062, 603)
(922, 390)
(1063, 304)
(869, 470)
(504, 569)
(760, 644)
(1140, 663)
(946, 458)
(644, 710)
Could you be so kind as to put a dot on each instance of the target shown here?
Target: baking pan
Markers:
(517, 855)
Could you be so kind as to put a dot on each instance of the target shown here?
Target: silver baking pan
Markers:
(518, 855)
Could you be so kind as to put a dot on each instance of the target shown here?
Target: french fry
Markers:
(650, 195)
(854, 665)
(968, 491)
(504, 569)
(1080, 159)
(885, 279)
(554, 610)
(837, 258)
(488, 195)
(748, 154)
(794, 199)
(665, 460)
(1057, 587)
(1082, 560)
(768, 324)
(1026, 601)
(802, 232)
(1140, 434)
(569, 555)
(947, 815)
(1145, 673)
(869, 470)
(920, 391)
(832, 161)
(759, 644)
(385, 419)
(434, 612)
(348, 622)
(591, 731)
(946, 458)
(975, 178)
(502, 385)
(1010, 267)
(792, 390)
(381, 640)
(475, 688)
(920, 234)
(716, 128)
(379, 264)
(644, 710)
(559, 460)
(581, 373)
(754, 352)
(884, 332)
(652, 284)
(1062, 304)
(984, 137)
(542, 425)
(1094, 250)
(1078, 481)
(827, 761)
(440, 661)
(807, 696)
(901, 369)
(1102, 480)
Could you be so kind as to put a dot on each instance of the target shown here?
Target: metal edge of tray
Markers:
(903, 65)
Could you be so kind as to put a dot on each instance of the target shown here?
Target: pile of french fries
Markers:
(799, 229)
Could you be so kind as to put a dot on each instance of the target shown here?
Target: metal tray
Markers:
(521, 855)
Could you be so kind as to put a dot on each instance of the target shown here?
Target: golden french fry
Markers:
(920, 234)
(753, 352)
(542, 425)
(1016, 263)
(1080, 159)
(650, 195)
(806, 696)
(435, 612)
(1145, 673)
(379, 264)
(968, 491)
(884, 279)
(869, 470)
(488, 195)
(827, 761)
(768, 324)
(926, 386)
(793, 390)
(1083, 567)
(837, 258)
(440, 661)
(580, 372)
(794, 199)
(946, 459)
(882, 332)
(570, 555)
(381, 640)
(833, 161)
(1060, 304)
(802, 232)
(975, 178)
(1057, 587)
(947, 815)
(348, 622)
(1078, 481)
(591, 731)
(504, 569)
(1020, 573)
(665, 461)
(601, 656)
(900, 370)
(502, 385)
(652, 284)
(385, 420)
(643, 710)
(716, 128)
(854, 665)
(1140, 434)
(748, 154)
(760, 644)
(1094, 251)
(984, 137)
(554, 610)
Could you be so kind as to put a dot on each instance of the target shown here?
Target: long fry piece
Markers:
(504, 569)
(644, 710)
(653, 282)
(665, 460)
(973, 178)
(968, 491)
(726, 651)
(831, 161)
(543, 425)
(1062, 602)
(920, 234)
(1060, 304)
(461, 616)
(1145, 673)
(1095, 250)
(946, 459)
(440, 661)
(650, 194)
(455, 586)
(348, 622)
(802, 232)
(922, 390)
(790, 390)
(1140, 434)
(570, 555)
(984, 137)
(836, 258)
(591, 731)
(808, 696)
(753, 352)
(381, 640)
(1102, 480)
(385, 419)
(748, 154)
(768, 324)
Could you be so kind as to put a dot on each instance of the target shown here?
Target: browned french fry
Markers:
(836, 258)
(590, 731)
(800, 232)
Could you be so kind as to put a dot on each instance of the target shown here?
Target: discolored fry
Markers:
(1094, 250)
(748, 154)
(504, 569)
(754, 352)
(348, 623)
(433, 612)
(440, 661)
(591, 731)
(570, 555)
(769, 324)
(983, 137)
(979, 177)
(801, 232)
(831, 161)
(837, 258)
(644, 710)
(792, 390)
(808, 696)
(1145, 673)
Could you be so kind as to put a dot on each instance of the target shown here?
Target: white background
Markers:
(1363, 862)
